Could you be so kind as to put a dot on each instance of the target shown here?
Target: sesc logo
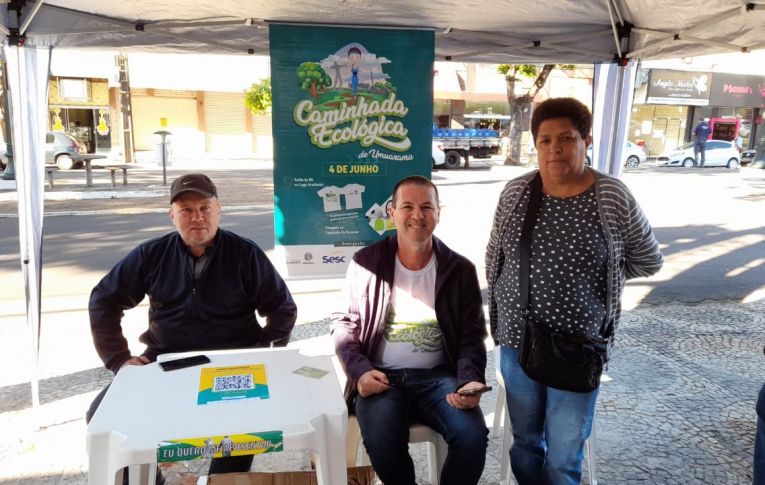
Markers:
(332, 259)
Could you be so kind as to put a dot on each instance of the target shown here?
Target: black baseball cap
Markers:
(193, 182)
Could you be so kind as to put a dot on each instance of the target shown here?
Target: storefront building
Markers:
(668, 104)
(83, 108)
(469, 95)
(474, 95)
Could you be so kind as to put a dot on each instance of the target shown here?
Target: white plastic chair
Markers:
(418, 433)
(138, 475)
(501, 412)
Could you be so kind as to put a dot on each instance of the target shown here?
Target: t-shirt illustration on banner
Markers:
(331, 196)
(353, 196)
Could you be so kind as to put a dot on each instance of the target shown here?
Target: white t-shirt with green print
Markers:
(412, 337)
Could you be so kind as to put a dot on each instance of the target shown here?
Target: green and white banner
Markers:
(352, 115)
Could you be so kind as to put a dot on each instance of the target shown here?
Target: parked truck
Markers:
(461, 144)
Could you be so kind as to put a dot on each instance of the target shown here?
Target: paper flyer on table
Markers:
(218, 384)
(220, 446)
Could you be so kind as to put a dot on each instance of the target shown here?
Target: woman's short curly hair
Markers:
(570, 108)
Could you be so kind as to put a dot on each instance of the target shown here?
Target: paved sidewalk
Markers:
(147, 190)
(679, 408)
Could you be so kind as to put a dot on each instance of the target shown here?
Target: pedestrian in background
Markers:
(590, 235)
(700, 136)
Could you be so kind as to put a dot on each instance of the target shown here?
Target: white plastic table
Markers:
(146, 405)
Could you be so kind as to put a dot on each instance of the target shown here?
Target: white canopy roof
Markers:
(503, 31)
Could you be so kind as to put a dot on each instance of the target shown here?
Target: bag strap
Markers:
(529, 221)
(532, 212)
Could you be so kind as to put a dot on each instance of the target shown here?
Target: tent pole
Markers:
(10, 169)
(28, 71)
(614, 165)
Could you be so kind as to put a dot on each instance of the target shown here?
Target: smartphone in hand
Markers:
(474, 392)
(184, 362)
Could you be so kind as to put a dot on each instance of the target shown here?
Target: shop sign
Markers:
(352, 114)
(679, 87)
(737, 90)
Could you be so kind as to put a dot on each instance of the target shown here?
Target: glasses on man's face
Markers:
(395, 379)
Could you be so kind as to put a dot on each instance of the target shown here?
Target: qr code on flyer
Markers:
(233, 383)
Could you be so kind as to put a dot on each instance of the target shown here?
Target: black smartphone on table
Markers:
(184, 362)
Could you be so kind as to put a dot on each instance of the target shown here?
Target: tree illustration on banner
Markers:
(312, 77)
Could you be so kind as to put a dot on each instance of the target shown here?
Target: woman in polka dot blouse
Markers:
(590, 236)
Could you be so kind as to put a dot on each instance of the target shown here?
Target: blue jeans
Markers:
(419, 396)
(758, 477)
(549, 426)
(699, 148)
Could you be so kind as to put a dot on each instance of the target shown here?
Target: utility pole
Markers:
(126, 108)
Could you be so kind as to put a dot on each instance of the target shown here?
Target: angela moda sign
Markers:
(352, 111)
(679, 87)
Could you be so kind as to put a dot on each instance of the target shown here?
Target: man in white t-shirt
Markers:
(410, 336)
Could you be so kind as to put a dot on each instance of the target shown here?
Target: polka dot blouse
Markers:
(568, 268)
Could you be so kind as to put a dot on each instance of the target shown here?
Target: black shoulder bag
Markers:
(565, 362)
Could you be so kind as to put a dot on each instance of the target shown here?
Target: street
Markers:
(709, 222)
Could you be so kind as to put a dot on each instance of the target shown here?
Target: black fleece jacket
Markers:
(214, 311)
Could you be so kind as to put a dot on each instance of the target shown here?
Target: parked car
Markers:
(718, 153)
(747, 156)
(438, 155)
(62, 150)
(632, 155)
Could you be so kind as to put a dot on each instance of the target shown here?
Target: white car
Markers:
(632, 155)
(719, 153)
(438, 155)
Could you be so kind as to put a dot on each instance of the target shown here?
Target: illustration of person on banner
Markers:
(410, 333)
(226, 446)
(210, 448)
(354, 59)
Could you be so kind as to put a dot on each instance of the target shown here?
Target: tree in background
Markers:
(312, 77)
(258, 97)
(522, 104)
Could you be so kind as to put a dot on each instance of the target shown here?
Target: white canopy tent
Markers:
(613, 33)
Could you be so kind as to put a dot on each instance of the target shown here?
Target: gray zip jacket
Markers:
(632, 248)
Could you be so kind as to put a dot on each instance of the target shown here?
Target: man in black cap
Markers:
(204, 286)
